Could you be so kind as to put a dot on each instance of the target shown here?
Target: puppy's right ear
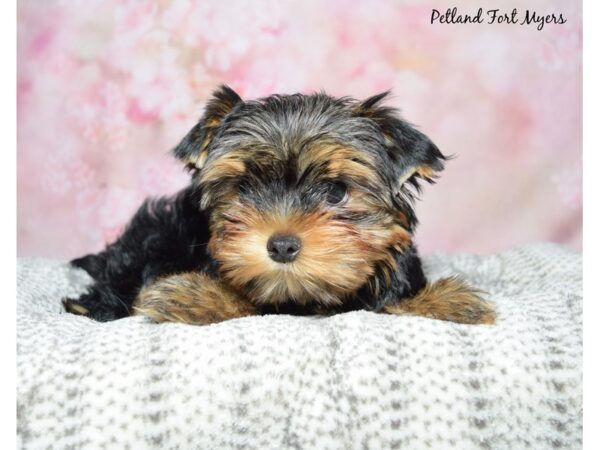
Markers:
(192, 150)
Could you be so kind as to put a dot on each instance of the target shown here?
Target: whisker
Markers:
(123, 303)
(198, 245)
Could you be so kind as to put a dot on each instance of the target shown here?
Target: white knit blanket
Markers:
(355, 380)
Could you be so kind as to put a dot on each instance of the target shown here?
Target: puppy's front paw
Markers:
(447, 299)
(191, 298)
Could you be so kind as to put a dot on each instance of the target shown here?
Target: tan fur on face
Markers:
(448, 299)
(360, 202)
(230, 165)
(336, 257)
(340, 161)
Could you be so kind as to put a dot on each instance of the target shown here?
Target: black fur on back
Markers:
(165, 236)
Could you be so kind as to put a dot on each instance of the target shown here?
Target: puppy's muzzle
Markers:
(283, 248)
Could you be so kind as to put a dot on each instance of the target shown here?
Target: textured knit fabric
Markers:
(355, 380)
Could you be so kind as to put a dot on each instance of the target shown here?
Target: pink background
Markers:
(107, 88)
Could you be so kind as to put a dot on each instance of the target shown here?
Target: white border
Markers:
(8, 180)
(591, 223)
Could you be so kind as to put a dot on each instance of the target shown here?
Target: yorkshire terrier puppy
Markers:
(299, 204)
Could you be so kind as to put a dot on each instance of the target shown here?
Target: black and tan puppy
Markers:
(299, 204)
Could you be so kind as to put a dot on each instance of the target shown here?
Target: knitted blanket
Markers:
(355, 380)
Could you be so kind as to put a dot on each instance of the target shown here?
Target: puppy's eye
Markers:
(337, 193)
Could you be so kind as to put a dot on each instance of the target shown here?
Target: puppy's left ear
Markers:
(193, 149)
(411, 152)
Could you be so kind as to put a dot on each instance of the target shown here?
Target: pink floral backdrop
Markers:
(106, 88)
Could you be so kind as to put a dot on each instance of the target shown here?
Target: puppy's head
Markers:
(309, 195)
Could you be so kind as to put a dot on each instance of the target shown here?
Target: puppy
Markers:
(298, 204)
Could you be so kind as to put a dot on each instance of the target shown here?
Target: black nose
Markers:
(283, 249)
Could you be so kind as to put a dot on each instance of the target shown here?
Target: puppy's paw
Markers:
(99, 303)
(192, 298)
(71, 306)
(448, 299)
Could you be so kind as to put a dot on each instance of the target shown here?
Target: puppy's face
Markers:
(307, 195)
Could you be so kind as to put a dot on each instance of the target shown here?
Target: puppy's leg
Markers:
(193, 298)
(447, 299)
(98, 303)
